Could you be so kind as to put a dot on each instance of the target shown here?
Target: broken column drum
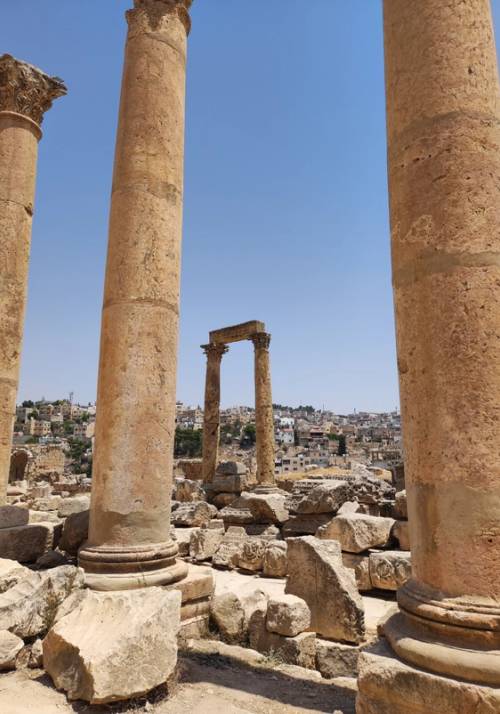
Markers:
(211, 418)
(129, 541)
(26, 93)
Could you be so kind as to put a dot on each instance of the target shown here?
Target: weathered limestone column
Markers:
(443, 108)
(264, 422)
(26, 93)
(211, 414)
(129, 536)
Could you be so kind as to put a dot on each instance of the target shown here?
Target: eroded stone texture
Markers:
(356, 532)
(10, 646)
(391, 569)
(324, 498)
(25, 94)
(133, 459)
(233, 613)
(264, 420)
(287, 615)
(211, 414)
(275, 562)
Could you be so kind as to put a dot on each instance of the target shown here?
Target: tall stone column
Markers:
(129, 541)
(264, 422)
(211, 414)
(443, 120)
(26, 93)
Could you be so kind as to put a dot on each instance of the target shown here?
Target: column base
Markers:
(388, 685)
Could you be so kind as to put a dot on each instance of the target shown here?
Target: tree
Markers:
(188, 442)
(342, 450)
(28, 404)
(249, 435)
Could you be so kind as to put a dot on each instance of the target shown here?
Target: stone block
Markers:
(252, 554)
(29, 608)
(360, 564)
(401, 533)
(187, 491)
(44, 517)
(401, 506)
(221, 500)
(350, 507)
(10, 646)
(304, 524)
(371, 490)
(231, 468)
(325, 498)
(115, 646)
(228, 483)
(357, 532)
(75, 532)
(263, 530)
(287, 615)
(334, 659)
(389, 570)
(237, 514)
(182, 537)
(204, 543)
(198, 584)
(228, 552)
(195, 514)
(27, 543)
(11, 573)
(36, 655)
(316, 574)
(266, 507)
(74, 504)
(48, 503)
(275, 562)
(234, 612)
(12, 516)
(299, 650)
(52, 559)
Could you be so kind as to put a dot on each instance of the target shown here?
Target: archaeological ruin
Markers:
(343, 590)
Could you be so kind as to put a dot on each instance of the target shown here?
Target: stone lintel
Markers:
(237, 333)
(26, 90)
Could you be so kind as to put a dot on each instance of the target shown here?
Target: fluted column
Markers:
(443, 122)
(264, 422)
(129, 536)
(26, 93)
(211, 414)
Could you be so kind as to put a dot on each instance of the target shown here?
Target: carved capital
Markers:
(27, 90)
(261, 340)
(215, 351)
(156, 9)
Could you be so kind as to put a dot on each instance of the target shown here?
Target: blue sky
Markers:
(286, 216)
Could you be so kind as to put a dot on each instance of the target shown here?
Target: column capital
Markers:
(261, 340)
(26, 90)
(156, 9)
(215, 350)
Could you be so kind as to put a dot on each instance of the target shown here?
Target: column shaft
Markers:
(129, 536)
(443, 118)
(25, 93)
(264, 422)
(211, 414)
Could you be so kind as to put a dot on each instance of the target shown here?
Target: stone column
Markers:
(211, 414)
(26, 93)
(264, 422)
(129, 535)
(443, 119)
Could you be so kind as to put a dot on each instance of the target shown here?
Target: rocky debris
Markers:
(29, 608)
(316, 574)
(266, 507)
(401, 533)
(231, 468)
(263, 530)
(47, 503)
(356, 532)
(360, 565)
(304, 524)
(334, 659)
(390, 569)
(371, 490)
(11, 516)
(252, 554)
(401, 505)
(237, 514)
(75, 532)
(36, 655)
(350, 507)
(234, 612)
(115, 646)
(11, 573)
(228, 553)
(182, 537)
(10, 646)
(287, 615)
(51, 559)
(196, 513)
(204, 543)
(328, 497)
(74, 504)
(274, 562)
(187, 491)
(27, 543)
(221, 500)
(299, 650)
(216, 525)
(44, 517)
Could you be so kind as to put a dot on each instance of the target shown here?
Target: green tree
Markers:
(342, 450)
(249, 435)
(188, 442)
(28, 404)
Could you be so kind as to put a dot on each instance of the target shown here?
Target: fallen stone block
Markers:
(304, 524)
(228, 483)
(401, 533)
(52, 559)
(231, 468)
(267, 531)
(350, 507)
(74, 504)
(390, 569)
(371, 490)
(251, 556)
(287, 615)
(44, 517)
(401, 506)
(204, 543)
(233, 613)
(316, 574)
(115, 646)
(36, 655)
(11, 516)
(187, 491)
(10, 646)
(274, 564)
(237, 514)
(360, 565)
(228, 552)
(75, 532)
(182, 537)
(299, 650)
(11, 572)
(325, 498)
(266, 507)
(197, 513)
(334, 659)
(48, 503)
(27, 543)
(29, 608)
(221, 500)
(356, 532)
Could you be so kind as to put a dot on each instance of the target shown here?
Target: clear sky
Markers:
(286, 216)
